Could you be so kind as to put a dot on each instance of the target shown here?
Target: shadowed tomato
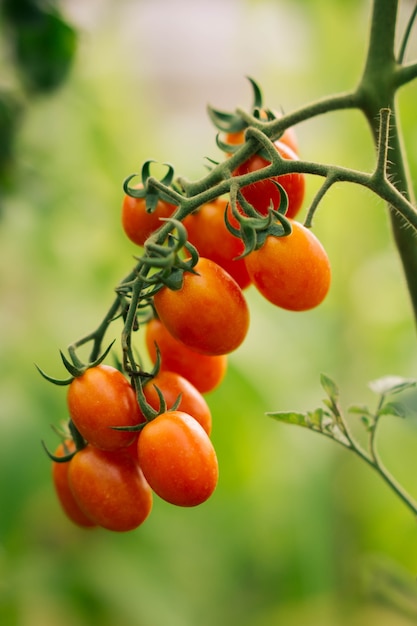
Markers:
(208, 232)
(261, 193)
(110, 488)
(203, 371)
(173, 385)
(62, 488)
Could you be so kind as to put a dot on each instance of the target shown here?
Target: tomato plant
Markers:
(208, 313)
(100, 399)
(264, 192)
(208, 232)
(172, 386)
(178, 459)
(138, 223)
(110, 488)
(203, 371)
(292, 272)
(62, 487)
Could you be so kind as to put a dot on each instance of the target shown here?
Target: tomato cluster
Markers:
(150, 433)
(109, 480)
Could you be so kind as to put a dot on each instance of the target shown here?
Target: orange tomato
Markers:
(292, 272)
(178, 459)
(100, 399)
(137, 223)
(208, 313)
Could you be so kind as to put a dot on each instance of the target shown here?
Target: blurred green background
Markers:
(299, 532)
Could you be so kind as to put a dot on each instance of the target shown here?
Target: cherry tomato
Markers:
(100, 399)
(261, 193)
(62, 488)
(110, 488)
(208, 232)
(289, 136)
(203, 371)
(208, 313)
(171, 386)
(292, 272)
(137, 223)
(178, 459)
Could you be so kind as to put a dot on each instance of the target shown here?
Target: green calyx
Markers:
(150, 193)
(75, 367)
(228, 122)
(255, 228)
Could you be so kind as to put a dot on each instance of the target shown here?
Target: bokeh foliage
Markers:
(298, 532)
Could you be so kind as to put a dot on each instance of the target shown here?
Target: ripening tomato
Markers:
(203, 371)
(292, 272)
(261, 193)
(100, 399)
(208, 232)
(289, 136)
(110, 488)
(208, 313)
(137, 223)
(62, 488)
(173, 385)
(178, 459)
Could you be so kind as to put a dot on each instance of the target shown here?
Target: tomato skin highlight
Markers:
(261, 193)
(178, 459)
(171, 386)
(203, 371)
(100, 399)
(208, 313)
(137, 223)
(110, 488)
(292, 272)
(62, 488)
(208, 232)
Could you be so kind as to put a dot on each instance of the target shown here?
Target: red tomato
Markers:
(261, 193)
(203, 371)
(110, 488)
(292, 272)
(137, 223)
(208, 232)
(62, 488)
(100, 399)
(178, 459)
(208, 313)
(171, 386)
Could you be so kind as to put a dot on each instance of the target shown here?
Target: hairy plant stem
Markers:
(377, 90)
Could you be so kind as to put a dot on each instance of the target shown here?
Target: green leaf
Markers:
(291, 417)
(391, 385)
(396, 409)
(329, 387)
(360, 410)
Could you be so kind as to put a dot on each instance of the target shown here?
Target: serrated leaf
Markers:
(391, 385)
(291, 417)
(329, 387)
